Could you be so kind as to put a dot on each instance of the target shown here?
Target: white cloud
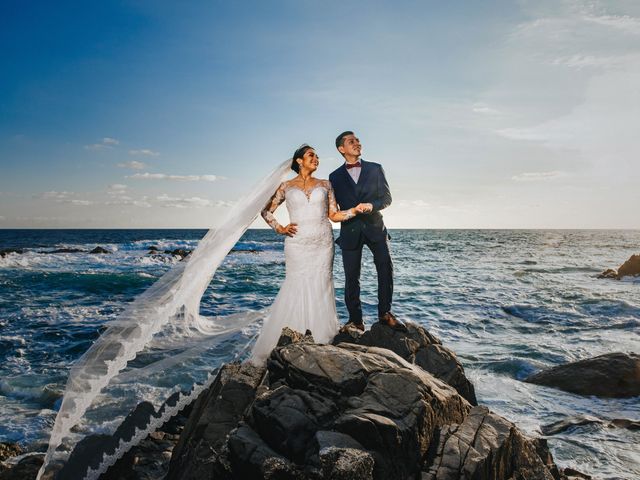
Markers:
(484, 109)
(183, 202)
(133, 165)
(125, 200)
(117, 189)
(182, 178)
(579, 61)
(53, 195)
(538, 176)
(107, 142)
(64, 197)
(144, 151)
(624, 23)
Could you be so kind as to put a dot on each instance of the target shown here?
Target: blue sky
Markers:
(484, 114)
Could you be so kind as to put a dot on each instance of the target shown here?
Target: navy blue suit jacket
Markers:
(372, 187)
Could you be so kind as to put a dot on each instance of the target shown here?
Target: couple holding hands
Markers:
(354, 195)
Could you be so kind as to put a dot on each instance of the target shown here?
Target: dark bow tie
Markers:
(353, 165)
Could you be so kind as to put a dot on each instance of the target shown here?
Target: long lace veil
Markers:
(148, 351)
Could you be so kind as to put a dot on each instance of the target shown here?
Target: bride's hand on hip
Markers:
(290, 230)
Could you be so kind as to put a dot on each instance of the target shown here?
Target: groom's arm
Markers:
(383, 199)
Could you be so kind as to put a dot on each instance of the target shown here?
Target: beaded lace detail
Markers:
(329, 208)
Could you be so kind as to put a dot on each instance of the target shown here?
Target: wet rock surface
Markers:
(178, 252)
(358, 411)
(353, 411)
(486, 446)
(613, 375)
(577, 421)
(215, 413)
(630, 268)
(25, 469)
(7, 251)
(417, 346)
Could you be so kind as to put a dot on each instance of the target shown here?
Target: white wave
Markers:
(13, 339)
(158, 260)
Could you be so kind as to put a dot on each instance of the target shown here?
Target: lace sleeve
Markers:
(334, 214)
(274, 202)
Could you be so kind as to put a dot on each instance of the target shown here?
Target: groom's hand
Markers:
(290, 230)
(364, 208)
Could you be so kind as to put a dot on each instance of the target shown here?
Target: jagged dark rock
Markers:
(65, 250)
(630, 268)
(348, 411)
(352, 411)
(609, 273)
(584, 420)
(485, 446)
(613, 375)
(26, 469)
(6, 251)
(417, 346)
(8, 450)
(215, 413)
(387, 406)
(178, 252)
(89, 452)
(291, 336)
(99, 250)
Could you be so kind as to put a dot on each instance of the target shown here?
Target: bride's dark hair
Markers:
(299, 153)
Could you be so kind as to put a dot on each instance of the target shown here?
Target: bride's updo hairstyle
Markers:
(299, 153)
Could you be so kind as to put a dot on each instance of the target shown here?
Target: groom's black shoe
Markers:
(390, 320)
(349, 325)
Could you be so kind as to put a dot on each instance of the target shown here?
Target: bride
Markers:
(153, 349)
(306, 300)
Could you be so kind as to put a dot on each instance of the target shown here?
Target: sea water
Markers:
(508, 302)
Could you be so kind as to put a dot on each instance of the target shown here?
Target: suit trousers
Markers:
(352, 261)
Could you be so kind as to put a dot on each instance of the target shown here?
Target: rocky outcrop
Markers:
(418, 346)
(154, 452)
(65, 250)
(25, 469)
(179, 252)
(349, 411)
(8, 450)
(583, 420)
(215, 413)
(99, 250)
(614, 375)
(7, 251)
(609, 273)
(383, 407)
(630, 268)
(486, 446)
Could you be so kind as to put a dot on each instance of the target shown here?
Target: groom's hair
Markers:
(299, 153)
(340, 138)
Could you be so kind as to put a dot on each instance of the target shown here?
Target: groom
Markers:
(363, 185)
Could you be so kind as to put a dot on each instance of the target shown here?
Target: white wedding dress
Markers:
(306, 300)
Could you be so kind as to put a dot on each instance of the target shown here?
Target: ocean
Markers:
(508, 302)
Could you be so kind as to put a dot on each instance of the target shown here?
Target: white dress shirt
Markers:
(354, 172)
